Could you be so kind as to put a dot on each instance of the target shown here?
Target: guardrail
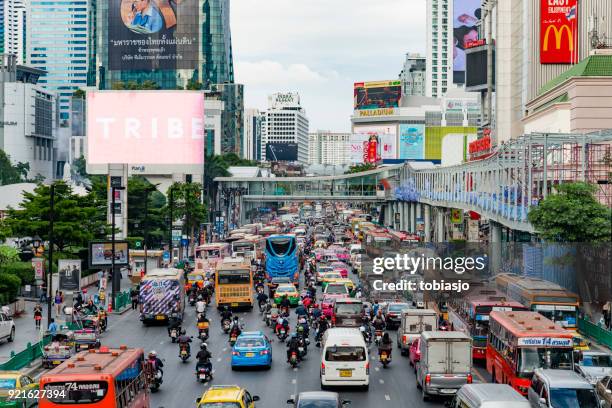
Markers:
(599, 334)
(25, 357)
(122, 300)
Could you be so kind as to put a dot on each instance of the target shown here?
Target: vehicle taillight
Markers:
(404, 339)
(322, 368)
(264, 352)
(235, 353)
(427, 379)
(469, 378)
(367, 367)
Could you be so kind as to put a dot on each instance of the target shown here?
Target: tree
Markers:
(358, 168)
(11, 174)
(135, 86)
(194, 85)
(77, 219)
(187, 205)
(152, 218)
(79, 94)
(572, 215)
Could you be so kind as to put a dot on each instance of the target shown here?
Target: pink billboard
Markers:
(145, 127)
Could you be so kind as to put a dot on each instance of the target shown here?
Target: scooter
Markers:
(192, 299)
(385, 358)
(268, 319)
(203, 374)
(184, 353)
(203, 331)
(367, 335)
(378, 337)
(293, 359)
(156, 381)
(282, 334)
(232, 339)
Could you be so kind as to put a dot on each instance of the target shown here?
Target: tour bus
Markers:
(470, 315)
(98, 378)
(234, 283)
(520, 342)
(282, 258)
(162, 293)
(251, 247)
(547, 298)
(207, 255)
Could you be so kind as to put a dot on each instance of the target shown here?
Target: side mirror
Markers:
(255, 398)
(291, 401)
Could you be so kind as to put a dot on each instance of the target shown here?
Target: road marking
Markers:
(292, 396)
(376, 369)
(224, 348)
(480, 377)
(161, 342)
(218, 360)
(387, 397)
(294, 381)
(381, 381)
(295, 369)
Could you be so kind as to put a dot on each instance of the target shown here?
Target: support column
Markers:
(427, 221)
(495, 240)
(440, 225)
(413, 216)
(403, 215)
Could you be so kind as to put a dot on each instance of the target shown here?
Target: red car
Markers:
(327, 304)
(341, 267)
(414, 352)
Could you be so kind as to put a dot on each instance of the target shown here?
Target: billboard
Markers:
(69, 274)
(377, 95)
(466, 14)
(152, 34)
(558, 32)
(142, 128)
(281, 151)
(101, 254)
(387, 138)
(412, 142)
(476, 69)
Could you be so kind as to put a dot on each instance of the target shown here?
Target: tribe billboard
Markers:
(152, 34)
(558, 32)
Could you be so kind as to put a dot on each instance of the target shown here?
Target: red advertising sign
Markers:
(475, 43)
(480, 145)
(39, 268)
(558, 31)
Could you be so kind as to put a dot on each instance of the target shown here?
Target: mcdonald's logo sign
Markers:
(558, 32)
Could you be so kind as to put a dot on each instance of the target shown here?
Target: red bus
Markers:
(520, 342)
(104, 378)
(470, 315)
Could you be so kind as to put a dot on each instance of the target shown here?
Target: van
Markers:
(487, 396)
(412, 323)
(348, 312)
(554, 388)
(445, 364)
(344, 359)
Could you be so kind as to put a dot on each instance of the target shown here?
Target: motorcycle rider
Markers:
(174, 322)
(375, 308)
(307, 302)
(226, 314)
(292, 347)
(386, 345)
(184, 340)
(285, 303)
(200, 305)
(312, 290)
(282, 323)
(323, 326)
(301, 311)
(155, 362)
(316, 312)
(262, 298)
(203, 358)
(379, 321)
(235, 329)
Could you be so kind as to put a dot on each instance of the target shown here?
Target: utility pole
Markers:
(51, 219)
(171, 204)
(116, 276)
(146, 230)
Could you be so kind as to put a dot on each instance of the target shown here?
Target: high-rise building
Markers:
(12, 28)
(326, 147)
(252, 134)
(57, 42)
(414, 75)
(439, 65)
(285, 129)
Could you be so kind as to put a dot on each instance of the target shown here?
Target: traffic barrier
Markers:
(597, 333)
(122, 300)
(25, 357)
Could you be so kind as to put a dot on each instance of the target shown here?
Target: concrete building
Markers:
(439, 59)
(252, 134)
(326, 147)
(213, 125)
(414, 75)
(285, 123)
(13, 29)
(28, 118)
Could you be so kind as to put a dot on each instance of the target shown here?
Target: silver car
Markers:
(594, 365)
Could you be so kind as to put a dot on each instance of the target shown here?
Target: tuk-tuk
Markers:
(59, 350)
(88, 336)
(195, 277)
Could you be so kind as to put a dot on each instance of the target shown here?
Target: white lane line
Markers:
(376, 369)
(388, 398)
(294, 381)
(381, 381)
(161, 342)
(292, 396)
(224, 348)
(295, 369)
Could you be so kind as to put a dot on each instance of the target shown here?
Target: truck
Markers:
(445, 364)
(413, 322)
(162, 295)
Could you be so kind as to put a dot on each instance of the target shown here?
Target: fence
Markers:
(22, 359)
(599, 334)
(122, 300)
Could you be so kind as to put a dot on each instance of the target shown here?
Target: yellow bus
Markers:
(234, 283)
(547, 298)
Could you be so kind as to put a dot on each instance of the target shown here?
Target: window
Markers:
(345, 353)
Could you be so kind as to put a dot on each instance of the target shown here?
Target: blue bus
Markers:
(282, 257)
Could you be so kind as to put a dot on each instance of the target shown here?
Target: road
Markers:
(391, 387)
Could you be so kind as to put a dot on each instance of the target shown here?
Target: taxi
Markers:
(252, 349)
(330, 277)
(341, 267)
(289, 290)
(226, 396)
(14, 380)
(580, 343)
(322, 269)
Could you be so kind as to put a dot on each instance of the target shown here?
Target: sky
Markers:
(319, 48)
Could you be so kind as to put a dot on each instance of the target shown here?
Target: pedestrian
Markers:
(37, 315)
(52, 328)
(134, 297)
(100, 277)
(58, 302)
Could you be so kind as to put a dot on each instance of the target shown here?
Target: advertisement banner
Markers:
(100, 254)
(377, 95)
(387, 139)
(153, 34)
(39, 268)
(69, 274)
(412, 142)
(466, 14)
(558, 32)
(281, 151)
(456, 216)
(145, 127)
(356, 145)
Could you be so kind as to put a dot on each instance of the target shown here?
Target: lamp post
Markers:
(116, 276)
(146, 224)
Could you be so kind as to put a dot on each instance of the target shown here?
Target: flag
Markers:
(571, 14)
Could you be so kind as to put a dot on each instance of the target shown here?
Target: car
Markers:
(252, 349)
(330, 277)
(327, 304)
(226, 396)
(318, 399)
(289, 290)
(7, 327)
(348, 313)
(580, 343)
(414, 352)
(347, 282)
(336, 288)
(322, 269)
(594, 365)
(393, 313)
(552, 388)
(15, 380)
(604, 391)
(341, 267)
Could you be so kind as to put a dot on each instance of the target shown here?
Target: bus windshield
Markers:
(211, 253)
(236, 277)
(532, 358)
(77, 392)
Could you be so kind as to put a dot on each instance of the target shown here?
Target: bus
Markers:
(101, 378)
(520, 342)
(162, 291)
(207, 256)
(549, 299)
(269, 230)
(251, 247)
(234, 283)
(376, 241)
(470, 315)
(282, 258)
(401, 240)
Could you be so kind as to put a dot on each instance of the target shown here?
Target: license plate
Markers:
(202, 376)
(160, 317)
(448, 391)
(234, 304)
(300, 349)
(346, 373)
(55, 362)
(250, 354)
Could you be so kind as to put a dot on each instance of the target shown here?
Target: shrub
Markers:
(9, 287)
(23, 270)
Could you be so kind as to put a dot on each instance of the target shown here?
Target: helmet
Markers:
(300, 303)
(316, 306)
(300, 328)
(203, 346)
(183, 332)
(152, 354)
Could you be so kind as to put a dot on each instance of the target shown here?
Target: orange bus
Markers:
(520, 342)
(104, 378)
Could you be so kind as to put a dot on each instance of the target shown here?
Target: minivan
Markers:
(561, 388)
(487, 396)
(348, 312)
(344, 359)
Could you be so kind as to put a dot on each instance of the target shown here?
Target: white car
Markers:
(7, 327)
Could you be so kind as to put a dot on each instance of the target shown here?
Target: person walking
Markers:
(134, 297)
(58, 302)
(37, 315)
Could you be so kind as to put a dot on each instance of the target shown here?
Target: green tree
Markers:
(139, 191)
(8, 254)
(194, 85)
(187, 205)
(77, 220)
(79, 94)
(135, 86)
(572, 215)
(358, 168)
(12, 173)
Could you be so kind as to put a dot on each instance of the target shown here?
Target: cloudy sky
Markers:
(319, 48)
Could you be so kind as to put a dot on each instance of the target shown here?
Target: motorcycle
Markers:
(192, 299)
(385, 358)
(378, 337)
(282, 334)
(174, 333)
(184, 352)
(226, 323)
(156, 381)
(203, 374)
(268, 319)
(367, 335)
(232, 339)
(293, 359)
(203, 331)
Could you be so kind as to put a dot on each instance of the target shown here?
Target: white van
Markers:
(487, 396)
(344, 359)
